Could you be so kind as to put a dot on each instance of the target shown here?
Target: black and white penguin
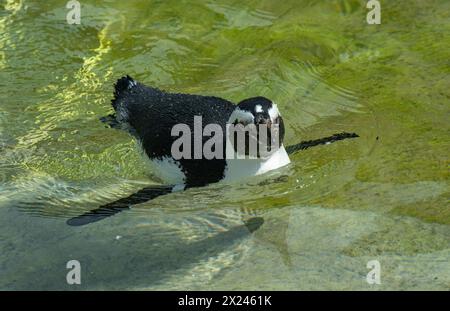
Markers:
(150, 114)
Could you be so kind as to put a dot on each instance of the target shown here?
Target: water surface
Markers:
(383, 196)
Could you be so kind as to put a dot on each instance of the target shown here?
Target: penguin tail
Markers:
(122, 85)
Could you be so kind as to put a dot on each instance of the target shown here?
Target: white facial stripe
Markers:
(241, 116)
(273, 112)
(258, 108)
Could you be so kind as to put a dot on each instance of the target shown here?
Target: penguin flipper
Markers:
(111, 121)
(322, 141)
(110, 209)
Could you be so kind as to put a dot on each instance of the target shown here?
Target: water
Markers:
(382, 196)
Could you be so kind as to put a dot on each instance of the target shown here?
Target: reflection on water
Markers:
(335, 207)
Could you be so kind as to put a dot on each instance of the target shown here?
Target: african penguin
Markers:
(150, 114)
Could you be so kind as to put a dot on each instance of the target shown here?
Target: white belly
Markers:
(169, 171)
(166, 169)
(241, 168)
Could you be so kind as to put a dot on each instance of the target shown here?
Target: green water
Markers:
(383, 196)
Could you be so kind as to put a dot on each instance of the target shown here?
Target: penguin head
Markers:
(264, 115)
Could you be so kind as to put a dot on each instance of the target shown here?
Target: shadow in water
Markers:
(150, 193)
(159, 264)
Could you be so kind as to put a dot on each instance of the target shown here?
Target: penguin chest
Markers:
(167, 170)
(237, 169)
(186, 172)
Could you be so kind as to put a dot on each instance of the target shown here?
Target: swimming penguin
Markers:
(150, 115)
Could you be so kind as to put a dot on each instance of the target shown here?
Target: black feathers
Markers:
(149, 114)
(123, 84)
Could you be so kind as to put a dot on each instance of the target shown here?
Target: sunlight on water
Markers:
(381, 196)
